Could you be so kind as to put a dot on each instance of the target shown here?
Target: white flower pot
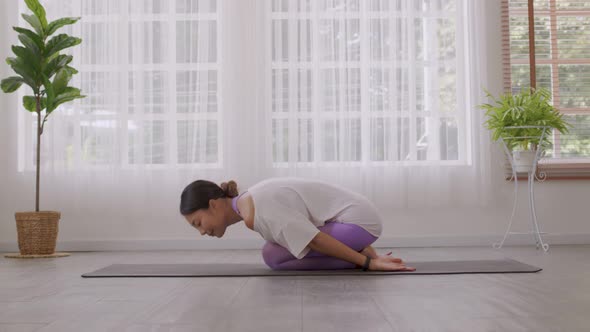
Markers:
(523, 160)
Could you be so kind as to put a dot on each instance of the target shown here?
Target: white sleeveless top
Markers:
(288, 211)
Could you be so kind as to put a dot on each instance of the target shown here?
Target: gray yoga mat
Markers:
(505, 265)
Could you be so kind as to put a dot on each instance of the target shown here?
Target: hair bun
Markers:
(230, 188)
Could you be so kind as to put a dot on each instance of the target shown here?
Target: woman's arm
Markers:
(369, 251)
(328, 245)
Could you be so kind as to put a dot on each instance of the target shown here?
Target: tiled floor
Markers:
(50, 295)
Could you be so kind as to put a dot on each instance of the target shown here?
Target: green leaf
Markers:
(28, 57)
(50, 58)
(62, 78)
(72, 70)
(53, 26)
(30, 103)
(56, 64)
(50, 92)
(29, 44)
(69, 94)
(35, 23)
(59, 43)
(38, 10)
(69, 91)
(25, 72)
(11, 84)
(38, 40)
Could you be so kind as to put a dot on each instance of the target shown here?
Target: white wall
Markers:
(561, 205)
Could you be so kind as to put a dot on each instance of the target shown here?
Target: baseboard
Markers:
(388, 242)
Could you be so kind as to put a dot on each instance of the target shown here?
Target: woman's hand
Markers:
(386, 263)
(395, 259)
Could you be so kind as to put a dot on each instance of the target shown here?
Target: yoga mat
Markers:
(506, 265)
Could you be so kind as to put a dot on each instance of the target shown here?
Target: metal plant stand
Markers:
(532, 175)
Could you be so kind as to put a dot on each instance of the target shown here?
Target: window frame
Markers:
(554, 168)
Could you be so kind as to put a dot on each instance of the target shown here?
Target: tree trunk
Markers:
(38, 152)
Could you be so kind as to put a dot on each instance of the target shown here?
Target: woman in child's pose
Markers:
(308, 224)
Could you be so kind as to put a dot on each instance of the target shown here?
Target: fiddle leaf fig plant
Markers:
(38, 64)
(530, 107)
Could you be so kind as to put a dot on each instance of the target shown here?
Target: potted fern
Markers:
(39, 65)
(529, 108)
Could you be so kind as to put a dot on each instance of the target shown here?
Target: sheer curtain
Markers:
(151, 123)
(378, 96)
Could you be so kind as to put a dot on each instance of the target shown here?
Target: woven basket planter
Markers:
(37, 232)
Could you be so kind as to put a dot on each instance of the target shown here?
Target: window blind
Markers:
(562, 52)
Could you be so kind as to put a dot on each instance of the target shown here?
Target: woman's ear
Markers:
(214, 204)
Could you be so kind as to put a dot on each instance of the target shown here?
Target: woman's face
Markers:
(208, 221)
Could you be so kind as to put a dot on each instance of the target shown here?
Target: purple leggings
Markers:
(354, 236)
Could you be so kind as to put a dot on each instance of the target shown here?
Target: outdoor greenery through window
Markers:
(562, 44)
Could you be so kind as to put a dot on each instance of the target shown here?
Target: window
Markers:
(373, 82)
(562, 51)
(367, 81)
(150, 71)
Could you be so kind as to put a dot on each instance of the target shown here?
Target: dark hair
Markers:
(197, 194)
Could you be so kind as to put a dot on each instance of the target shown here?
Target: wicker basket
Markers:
(37, 232)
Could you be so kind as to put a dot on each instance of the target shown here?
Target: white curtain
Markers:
(379, 95)
(375, 95)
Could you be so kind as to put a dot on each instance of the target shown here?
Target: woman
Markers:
(308, 224)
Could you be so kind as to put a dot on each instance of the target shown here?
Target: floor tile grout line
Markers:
(386, 317)
(300, 292)
(166, 297)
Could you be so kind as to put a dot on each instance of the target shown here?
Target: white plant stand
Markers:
(532, 175)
